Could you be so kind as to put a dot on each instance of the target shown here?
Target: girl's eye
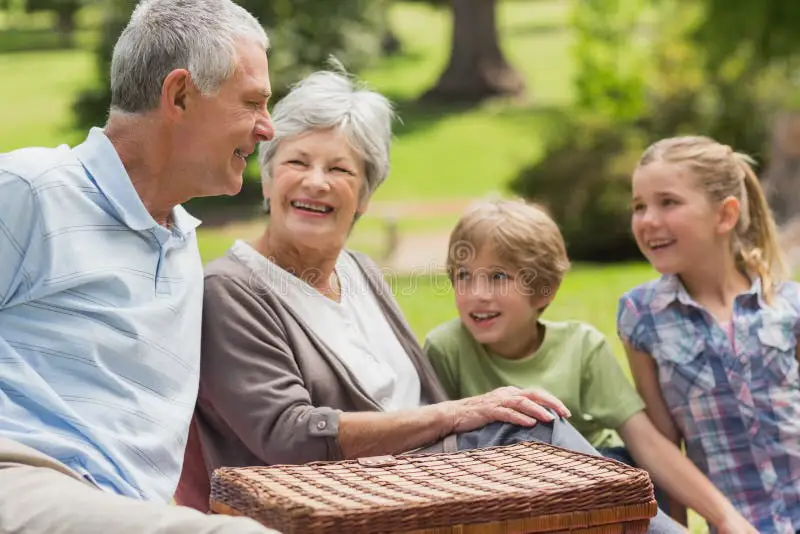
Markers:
(462, 274)
(669, 202)
(638, 207)
(499, 275)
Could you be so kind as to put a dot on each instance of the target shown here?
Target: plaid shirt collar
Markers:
(669, 289)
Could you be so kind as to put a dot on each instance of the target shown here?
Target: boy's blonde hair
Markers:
(723, 173)
(522, 235)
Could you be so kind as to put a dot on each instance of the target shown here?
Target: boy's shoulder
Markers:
(448, 335)
(574, 333)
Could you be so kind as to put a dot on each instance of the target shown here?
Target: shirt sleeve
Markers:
(19, 224)
(629, 324)
(251, 380)
(606, 393)
(790, 290)
(443, 366)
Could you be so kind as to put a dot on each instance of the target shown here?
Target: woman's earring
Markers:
(266, 206)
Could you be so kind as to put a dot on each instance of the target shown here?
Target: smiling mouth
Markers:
(482, 317)
(313, 208)
(658, 244)
(238, 153)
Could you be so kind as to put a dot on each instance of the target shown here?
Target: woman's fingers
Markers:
(528, 408)
(515, 417)
(545, 398)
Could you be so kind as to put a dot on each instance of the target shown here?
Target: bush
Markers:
(584, 182)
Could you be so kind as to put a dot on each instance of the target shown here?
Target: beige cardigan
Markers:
(270, 391)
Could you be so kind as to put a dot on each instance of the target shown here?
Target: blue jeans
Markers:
(559, 433)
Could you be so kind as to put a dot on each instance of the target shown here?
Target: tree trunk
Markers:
(477, 67)
(781, 182)
(65, 22)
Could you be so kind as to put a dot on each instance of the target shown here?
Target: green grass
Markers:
(36, 96)
(500, 137)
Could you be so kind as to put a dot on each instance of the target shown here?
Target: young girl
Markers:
(712, 343)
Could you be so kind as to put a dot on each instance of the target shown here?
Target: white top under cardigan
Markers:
(354, 329)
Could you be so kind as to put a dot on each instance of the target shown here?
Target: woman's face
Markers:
(317, 181)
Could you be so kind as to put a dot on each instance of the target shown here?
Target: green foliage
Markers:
(609, 79)
(305, 33)
(53, 5)
(681, 88)
(91, 106)
(584, 181)
(765, 30)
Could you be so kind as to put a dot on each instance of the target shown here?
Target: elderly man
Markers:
(101, 282)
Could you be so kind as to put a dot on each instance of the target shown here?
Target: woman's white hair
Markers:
(328, 99)
(164, 35)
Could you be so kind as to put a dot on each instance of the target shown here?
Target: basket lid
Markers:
(404, 493)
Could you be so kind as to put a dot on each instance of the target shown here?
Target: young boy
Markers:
(506, 261)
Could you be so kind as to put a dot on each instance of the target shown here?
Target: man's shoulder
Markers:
(38, 166)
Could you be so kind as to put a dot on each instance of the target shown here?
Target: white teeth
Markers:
(482, 316)
(659, 243)
(238, 153)
(312, 207)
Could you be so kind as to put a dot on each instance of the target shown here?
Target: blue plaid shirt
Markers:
(734, 395)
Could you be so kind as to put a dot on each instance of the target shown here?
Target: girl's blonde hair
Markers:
(723, 173)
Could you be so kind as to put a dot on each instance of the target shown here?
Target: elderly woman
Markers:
(306, 355)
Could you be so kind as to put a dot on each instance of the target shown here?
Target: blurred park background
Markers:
(553, 100)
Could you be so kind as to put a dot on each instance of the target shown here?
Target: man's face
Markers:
(224, 128)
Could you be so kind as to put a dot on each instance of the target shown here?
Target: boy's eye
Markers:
(462, 274)
(500, 275)
(669, 202)
(637, 207)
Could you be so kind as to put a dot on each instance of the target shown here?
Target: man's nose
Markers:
(264, 128)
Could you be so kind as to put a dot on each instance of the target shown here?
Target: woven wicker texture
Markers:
(528, 487)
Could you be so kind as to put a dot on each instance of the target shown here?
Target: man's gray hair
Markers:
(164, 35)
(327, 99)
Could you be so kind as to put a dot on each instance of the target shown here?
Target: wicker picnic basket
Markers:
(527, 487)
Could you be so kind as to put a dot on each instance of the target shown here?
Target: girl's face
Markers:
(675, 225)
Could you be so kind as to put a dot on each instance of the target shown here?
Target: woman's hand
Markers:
(524, 407)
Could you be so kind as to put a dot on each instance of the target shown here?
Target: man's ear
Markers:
(175, 91)
(729, 213)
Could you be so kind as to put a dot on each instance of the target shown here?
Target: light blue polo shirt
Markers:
(100, 311)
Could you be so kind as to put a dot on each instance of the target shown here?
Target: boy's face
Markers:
(495, 306)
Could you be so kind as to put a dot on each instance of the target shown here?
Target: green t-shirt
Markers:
(574, 363)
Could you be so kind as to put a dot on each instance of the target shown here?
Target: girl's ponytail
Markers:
(756, 243)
